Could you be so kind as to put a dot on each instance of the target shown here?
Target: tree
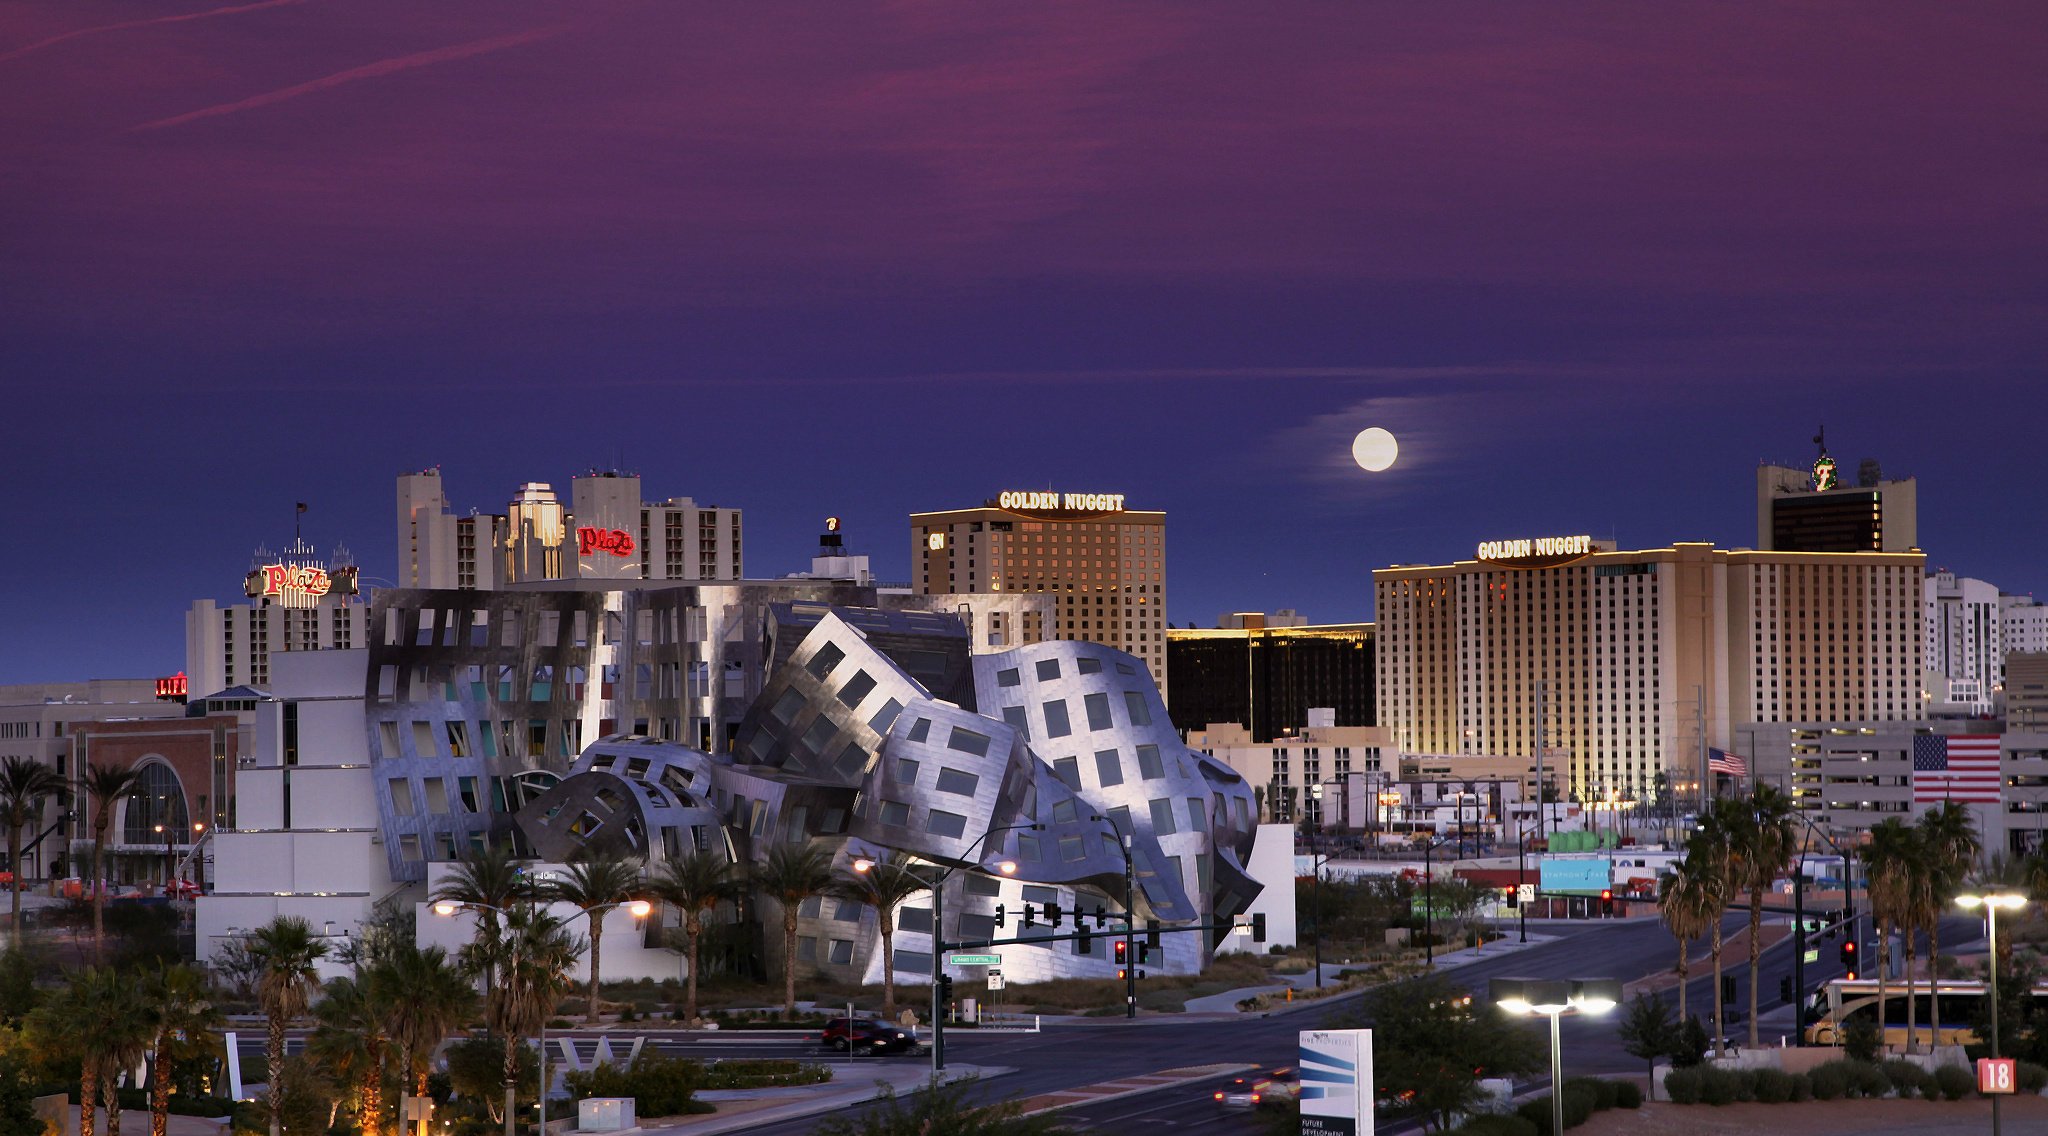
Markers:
(350, 1040)
(1712, 846)
(423, 998)
(490, 881)
(793, 874)
(1649, 1031)
(884, 886)
(1687, 903)
(1888, 856)
(1765, 839)
(105, 785)
(532, 959)
(1430, 1038)
(939, 1107)
(1950, 837)
(695, 885)
(182, 1018)
(595, 883)
(24, 784)
(101, 1018)
(289, 952)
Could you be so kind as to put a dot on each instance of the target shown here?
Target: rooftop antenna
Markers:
(1821, 439)
(296, 517)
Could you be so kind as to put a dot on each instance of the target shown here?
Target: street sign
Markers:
(1995, 1075)
(975, 960)
(1339, 1064)
(1525, 893)
(1813, 955)
(995, 980)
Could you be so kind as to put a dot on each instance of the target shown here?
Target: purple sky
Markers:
(1589, 261)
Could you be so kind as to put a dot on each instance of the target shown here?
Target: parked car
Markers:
(866, 1035)
(1269, 1089)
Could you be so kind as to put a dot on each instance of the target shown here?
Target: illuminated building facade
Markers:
(1286, 767)
(1635, 662)
(298, 601)
(1816, 509)
(1103, 565)
(1266, 679)
(604, 532)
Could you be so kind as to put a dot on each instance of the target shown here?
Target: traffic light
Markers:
(1727, 990)
(1151, 936)
(1085, 941)
(1144, 953)
(945, 989)
(1121, 953)
(1002, 914)
(1514, 897)
(1785, 989)
(1258, 927)
(1052, 915)
(1606, 903)
(1849, 954)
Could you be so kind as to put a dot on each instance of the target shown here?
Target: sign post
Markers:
(1995, 1075)
(1336, 1082)
(974, 960)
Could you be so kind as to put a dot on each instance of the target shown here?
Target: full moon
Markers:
(1374, 449)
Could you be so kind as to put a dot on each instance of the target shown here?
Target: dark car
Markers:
(866, 1035)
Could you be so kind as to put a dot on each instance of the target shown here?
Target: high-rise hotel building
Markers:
(1104, 565)
(1636, 661)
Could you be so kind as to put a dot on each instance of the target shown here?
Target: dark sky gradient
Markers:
(1590, 262)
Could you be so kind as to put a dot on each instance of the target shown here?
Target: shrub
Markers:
(1773, 1086)
(2030, 1078)
(1627, 1094)
(1682, 1085)
(659, 1085)
(1871, 1081)
(1690, 1048)
(1802, 1088)
(1537, 1112)
(1910, 1079)
(1954, 1081)
(1861, 1039)
(1718, 1086)
(1745, 1084)
(763, 1073)
(1828, 1082)
(1603, 1090)
(1497, 1126)
(1580, 1099)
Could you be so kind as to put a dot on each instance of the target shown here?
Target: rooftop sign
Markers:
(298, 585)
(1070, 502)
(1537, 552)
(618, 542)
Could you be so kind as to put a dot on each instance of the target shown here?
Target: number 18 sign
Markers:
(1994, 1075)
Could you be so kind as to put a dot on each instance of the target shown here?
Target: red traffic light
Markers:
(1606, 896)
(1120, 945)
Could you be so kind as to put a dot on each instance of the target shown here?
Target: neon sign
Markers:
(290, 581)
(618, 542)
(1824, 475)
(1541, 547)
(1074, 502)
(172, 689)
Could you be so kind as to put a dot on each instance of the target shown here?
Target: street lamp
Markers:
(1991, 903)
(938, 885)
(165, 832)
(1554, 998)
(639, 908)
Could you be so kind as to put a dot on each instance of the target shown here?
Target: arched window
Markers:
(158, 799)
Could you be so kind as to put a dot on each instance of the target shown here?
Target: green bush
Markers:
(1802, 1088)
(1496, 1126)
(1773, 1086)
(1718, 1086)
(1871, 1081)
(1580, 1099)
(1954, 1081)
(1910, 1080)
(1537, 1112)
(2030, 1078)
(659, 1085)
(763, 1073)
(1861, 1039)
(1828, 1082)
(1745, 1084)
(1682, 1085)
(1627, 1094)
(1603, 1090)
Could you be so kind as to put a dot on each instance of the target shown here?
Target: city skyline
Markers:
(1589, 267)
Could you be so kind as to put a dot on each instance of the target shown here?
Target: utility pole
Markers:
(1540, 783)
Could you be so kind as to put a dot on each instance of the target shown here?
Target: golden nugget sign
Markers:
(1540, 548)
(1075, 502)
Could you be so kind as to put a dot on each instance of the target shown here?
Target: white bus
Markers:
(1961, 1004)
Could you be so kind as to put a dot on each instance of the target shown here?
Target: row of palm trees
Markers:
(25, 784)
(1741, 847)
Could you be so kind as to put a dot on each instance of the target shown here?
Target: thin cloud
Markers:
(206, 15)
(355, 74)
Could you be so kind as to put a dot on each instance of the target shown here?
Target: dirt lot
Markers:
(1823, 1118)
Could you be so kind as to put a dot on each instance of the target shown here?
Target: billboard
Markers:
(1578, 876)
(1336, 1082)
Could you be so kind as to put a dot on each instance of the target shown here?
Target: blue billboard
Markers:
(1588, 875)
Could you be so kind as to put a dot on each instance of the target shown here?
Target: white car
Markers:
(1254, 1090)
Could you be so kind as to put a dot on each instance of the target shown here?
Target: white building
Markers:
(2022, 624)
(1342, 760)
(1965, 654)
(298, 601)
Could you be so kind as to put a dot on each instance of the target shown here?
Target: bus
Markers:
(1845, 999)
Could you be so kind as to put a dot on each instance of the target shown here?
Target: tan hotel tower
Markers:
(1104, 565)
(1639, 654)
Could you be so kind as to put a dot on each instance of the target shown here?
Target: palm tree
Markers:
(884, 885)
(1712, 846)
(1765, 840)
(182, 1016)
(595, 883)
(1949, 835)
(24, 783)
(105, 785)
(793, 874)
(491, 881)
(287, 950)
(1686, 903)
(532, 958)
(1888, 855)
(99, 1018)
(350, 1040)
(695, 885)
(423, 998)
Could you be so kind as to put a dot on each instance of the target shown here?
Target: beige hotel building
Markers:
(1640, 658)
(1104, 565)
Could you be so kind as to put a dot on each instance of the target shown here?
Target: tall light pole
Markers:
(1006, 867)
(1554, 998)
(447, 907)
(1991, 903)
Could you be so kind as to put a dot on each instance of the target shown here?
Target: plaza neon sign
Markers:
(290, 581)
(618, 542)
(1067, 502)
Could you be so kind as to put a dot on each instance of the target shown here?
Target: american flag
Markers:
(1733, 764)
(1957, 767)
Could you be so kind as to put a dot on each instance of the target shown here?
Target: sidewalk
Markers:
(1226, 1002)
(744, 1109)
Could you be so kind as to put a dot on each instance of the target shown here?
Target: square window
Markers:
(886, 716)
(1149, 766)
(942, 823)
(1140, 710)
(811, 907)
(1125, 668)
(856, 688)
(1056, 719)
(1017, 720)
(820, 734)
(1063, 812)
(807, 948)
(842, 951)
(967, 741)
(919, 730)
(906, 770)
(1007, 677)
(1068, 769)
(788, 706)
(957, 781)
(1071, 850)
(1108, 770)
(828, 656)
(1162, 817)
(1098, 711)
(1048, 669)
(988, 887)
(1088, 666)
(917, 919)
(1198, 820)
(847, 911)
(852, 759)
(895, 813)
